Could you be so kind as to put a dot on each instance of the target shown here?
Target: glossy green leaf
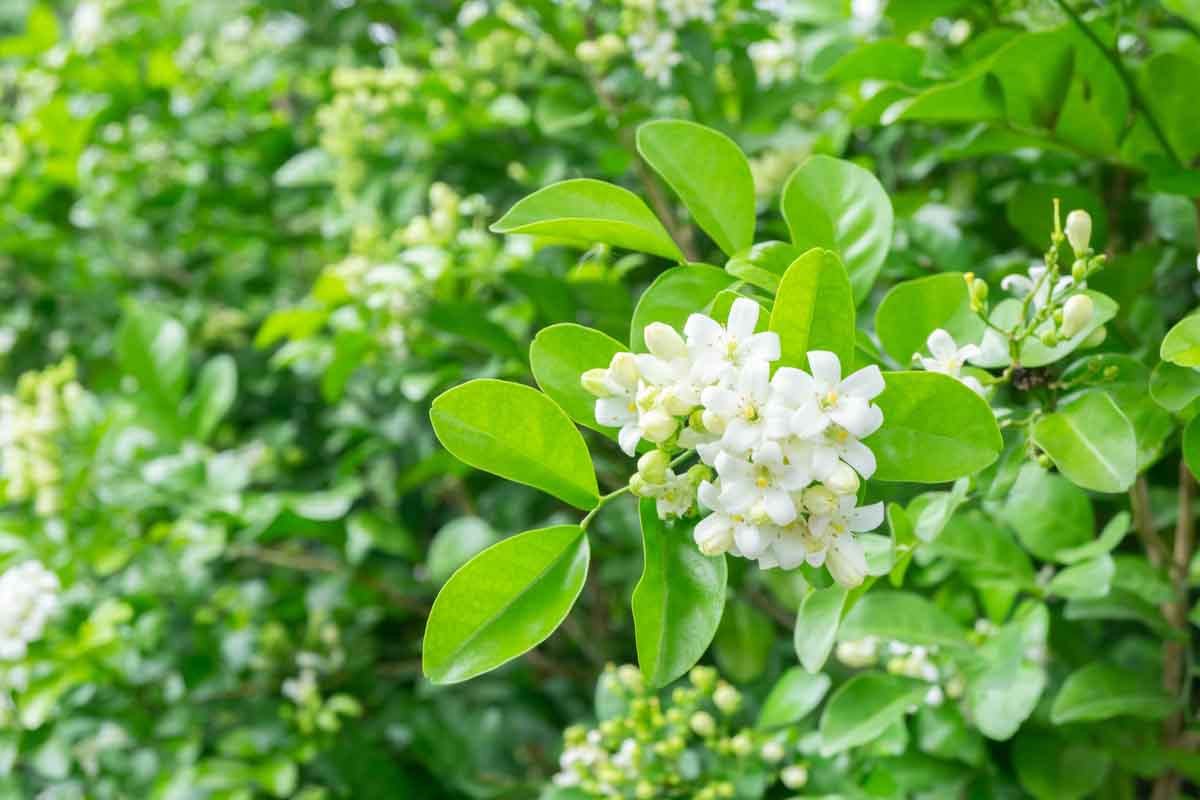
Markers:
(882, 60)
(518, 433)
(743, 642)
(710, 174)
(935, 429)
(977, 98)
(1191, 446)
(1173, 387)
(1005, 689)
(1181, 345)
(216, 389)
(1052, 767)
(1048, 512)
(456, 543)
(678, 603)
(942, 732)
(1102, 691)
(674, 296)
(1108, 539)
(817, 625)
(994, 347)
(864, 707)
(763, 265)
(794, 695)
(1091, 442)
(559, 355)
(814, 309)
(582, 212)
(914, 309)
(1091, 578)
(1169, 84)
(1031, 211)
(503, 602)
(983, 548)
(905, 616)
(841, 207)
(152, 348)
(1152, 426)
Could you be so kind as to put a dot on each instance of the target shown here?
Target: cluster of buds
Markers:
(689, 746)
(786, 448)
(311, 711)
(28, 598)
(912, 661)
(32, 423)
(600, 51)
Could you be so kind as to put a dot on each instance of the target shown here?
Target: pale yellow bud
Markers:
(657, 425)
(1079, 231)
(843, 479)
(1077, 314)
(819, 500)
(741, 744)
(794, 777)
(653, 466)
(727, 698)
(595, 381)
(703, 724)
(772, 752)
(664, 341)
(623, 369)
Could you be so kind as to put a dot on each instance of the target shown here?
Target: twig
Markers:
(766, 605)
(1143, 520)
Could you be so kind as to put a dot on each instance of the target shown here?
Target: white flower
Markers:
(792, 545)
(948, 358)
(655, 55)
(726, 531)
(1021, 285)
(739, 413)
(674, 497)
(761, 488)
(775, 60)
(845, 557)
(680, 12)
(28, 598)
(833, 401)
(718, 352)
(616, 388)
(859, 653)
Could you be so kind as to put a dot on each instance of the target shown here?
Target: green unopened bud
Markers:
(794, 777)
(979, 290)
(703, 724)
(653, 466)
(741, 744)
(727, 698)
(1079, 231)
(772, 752)
(630, 677)
(725, 790)
(595, 381)
(1049, 338)
(638, 486)
(1096, 338)
(675, 716)
(1079, 270)
(699, 473)
(1044, 461)
(1077, 314)
(703, 678)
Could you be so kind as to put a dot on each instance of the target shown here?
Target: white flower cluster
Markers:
(655, 54)
(900, 658)
(31, 422)
(949, 359)
(28, 598)
(786, 448)
(775, 60)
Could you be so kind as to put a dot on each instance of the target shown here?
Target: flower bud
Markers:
(623, 369)
(638, 486)
(713, 540)
(741, 744)
(630, 677)
(843, 479)
(703, 678)
(727, 698)
(1079, 231)
(645, 791)
(595, 381)
(979, 290)
(664, 341)
(819, 500)
(1079, 271)
(1049, 338)
(703, 724)
(657, 425)
(1095, 338)
(653, 466)
(794, 777)
(1077, 313)
(772, 752)
(713, 422)
(587, 51)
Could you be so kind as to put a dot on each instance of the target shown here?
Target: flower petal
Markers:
(867, 383)
(865, 518)
(702, 330)
(743, 316)
(825, 366)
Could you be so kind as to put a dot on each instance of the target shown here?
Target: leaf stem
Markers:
(604, 500)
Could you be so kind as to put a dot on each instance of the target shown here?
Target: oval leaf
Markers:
(674, 296)
(709, 173)
(864, 707)
(816, 625)
(1181, 345)
(1049, 513)
(904, 616)
(1091, 442)
(795, 694)
(678, 602)
(518, 433)
(763, 264)
(914, 309)
(559, 355)
(814, 309)
(1101, 691)
(840, 206)
(935, 429)
(582, 212)
(503, 602)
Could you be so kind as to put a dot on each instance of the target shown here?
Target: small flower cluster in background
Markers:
(691, 745)
(912, 661)
(28, 598)
(786, 448)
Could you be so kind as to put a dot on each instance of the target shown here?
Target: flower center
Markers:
(830, 399)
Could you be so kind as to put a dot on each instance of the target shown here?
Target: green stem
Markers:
(1134, 93)
(601, 503)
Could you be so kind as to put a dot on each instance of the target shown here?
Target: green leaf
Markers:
(983, 548)
(914, 309)
(908, 617)
(935, 429)
(1003, 692)
(864, 707)
(840, 206)
(559, 355)
(674, 296)
(152, 348)
(312, 167)
(469, 322)
(743, 642)
(1169, 84)
(882, 60)
(216, 389)
(942, 732)
(518, 433)
(1109, 538)
(1051, 767)
(763, 264)
(1091, 578)
(582, 212)
(994, 347)
(817, 625)
(978, 98)
(1048, 512)
(1102, 691)
(503, 602)
(1031, 211)
(1191, 446)
(456, 543)
(814, 310)
(710, 174)
(1091, 442)
(795, 694)
(678, 603)
(1181, 345)
(1173, 387)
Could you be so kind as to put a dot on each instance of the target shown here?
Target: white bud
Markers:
(1077, 313)
(819, 500)
(595, 381)
(653, 466)
(794, 777)
(1079, 231)
(630, 677)
(713, 423)
(843, 479)
(846, 561)
(657, 425)
(713, 539)
(664, 341)
(727, 698)
(703, 724)
(1095, 338)
(623, 369)
(772, 752)
(741, 744)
